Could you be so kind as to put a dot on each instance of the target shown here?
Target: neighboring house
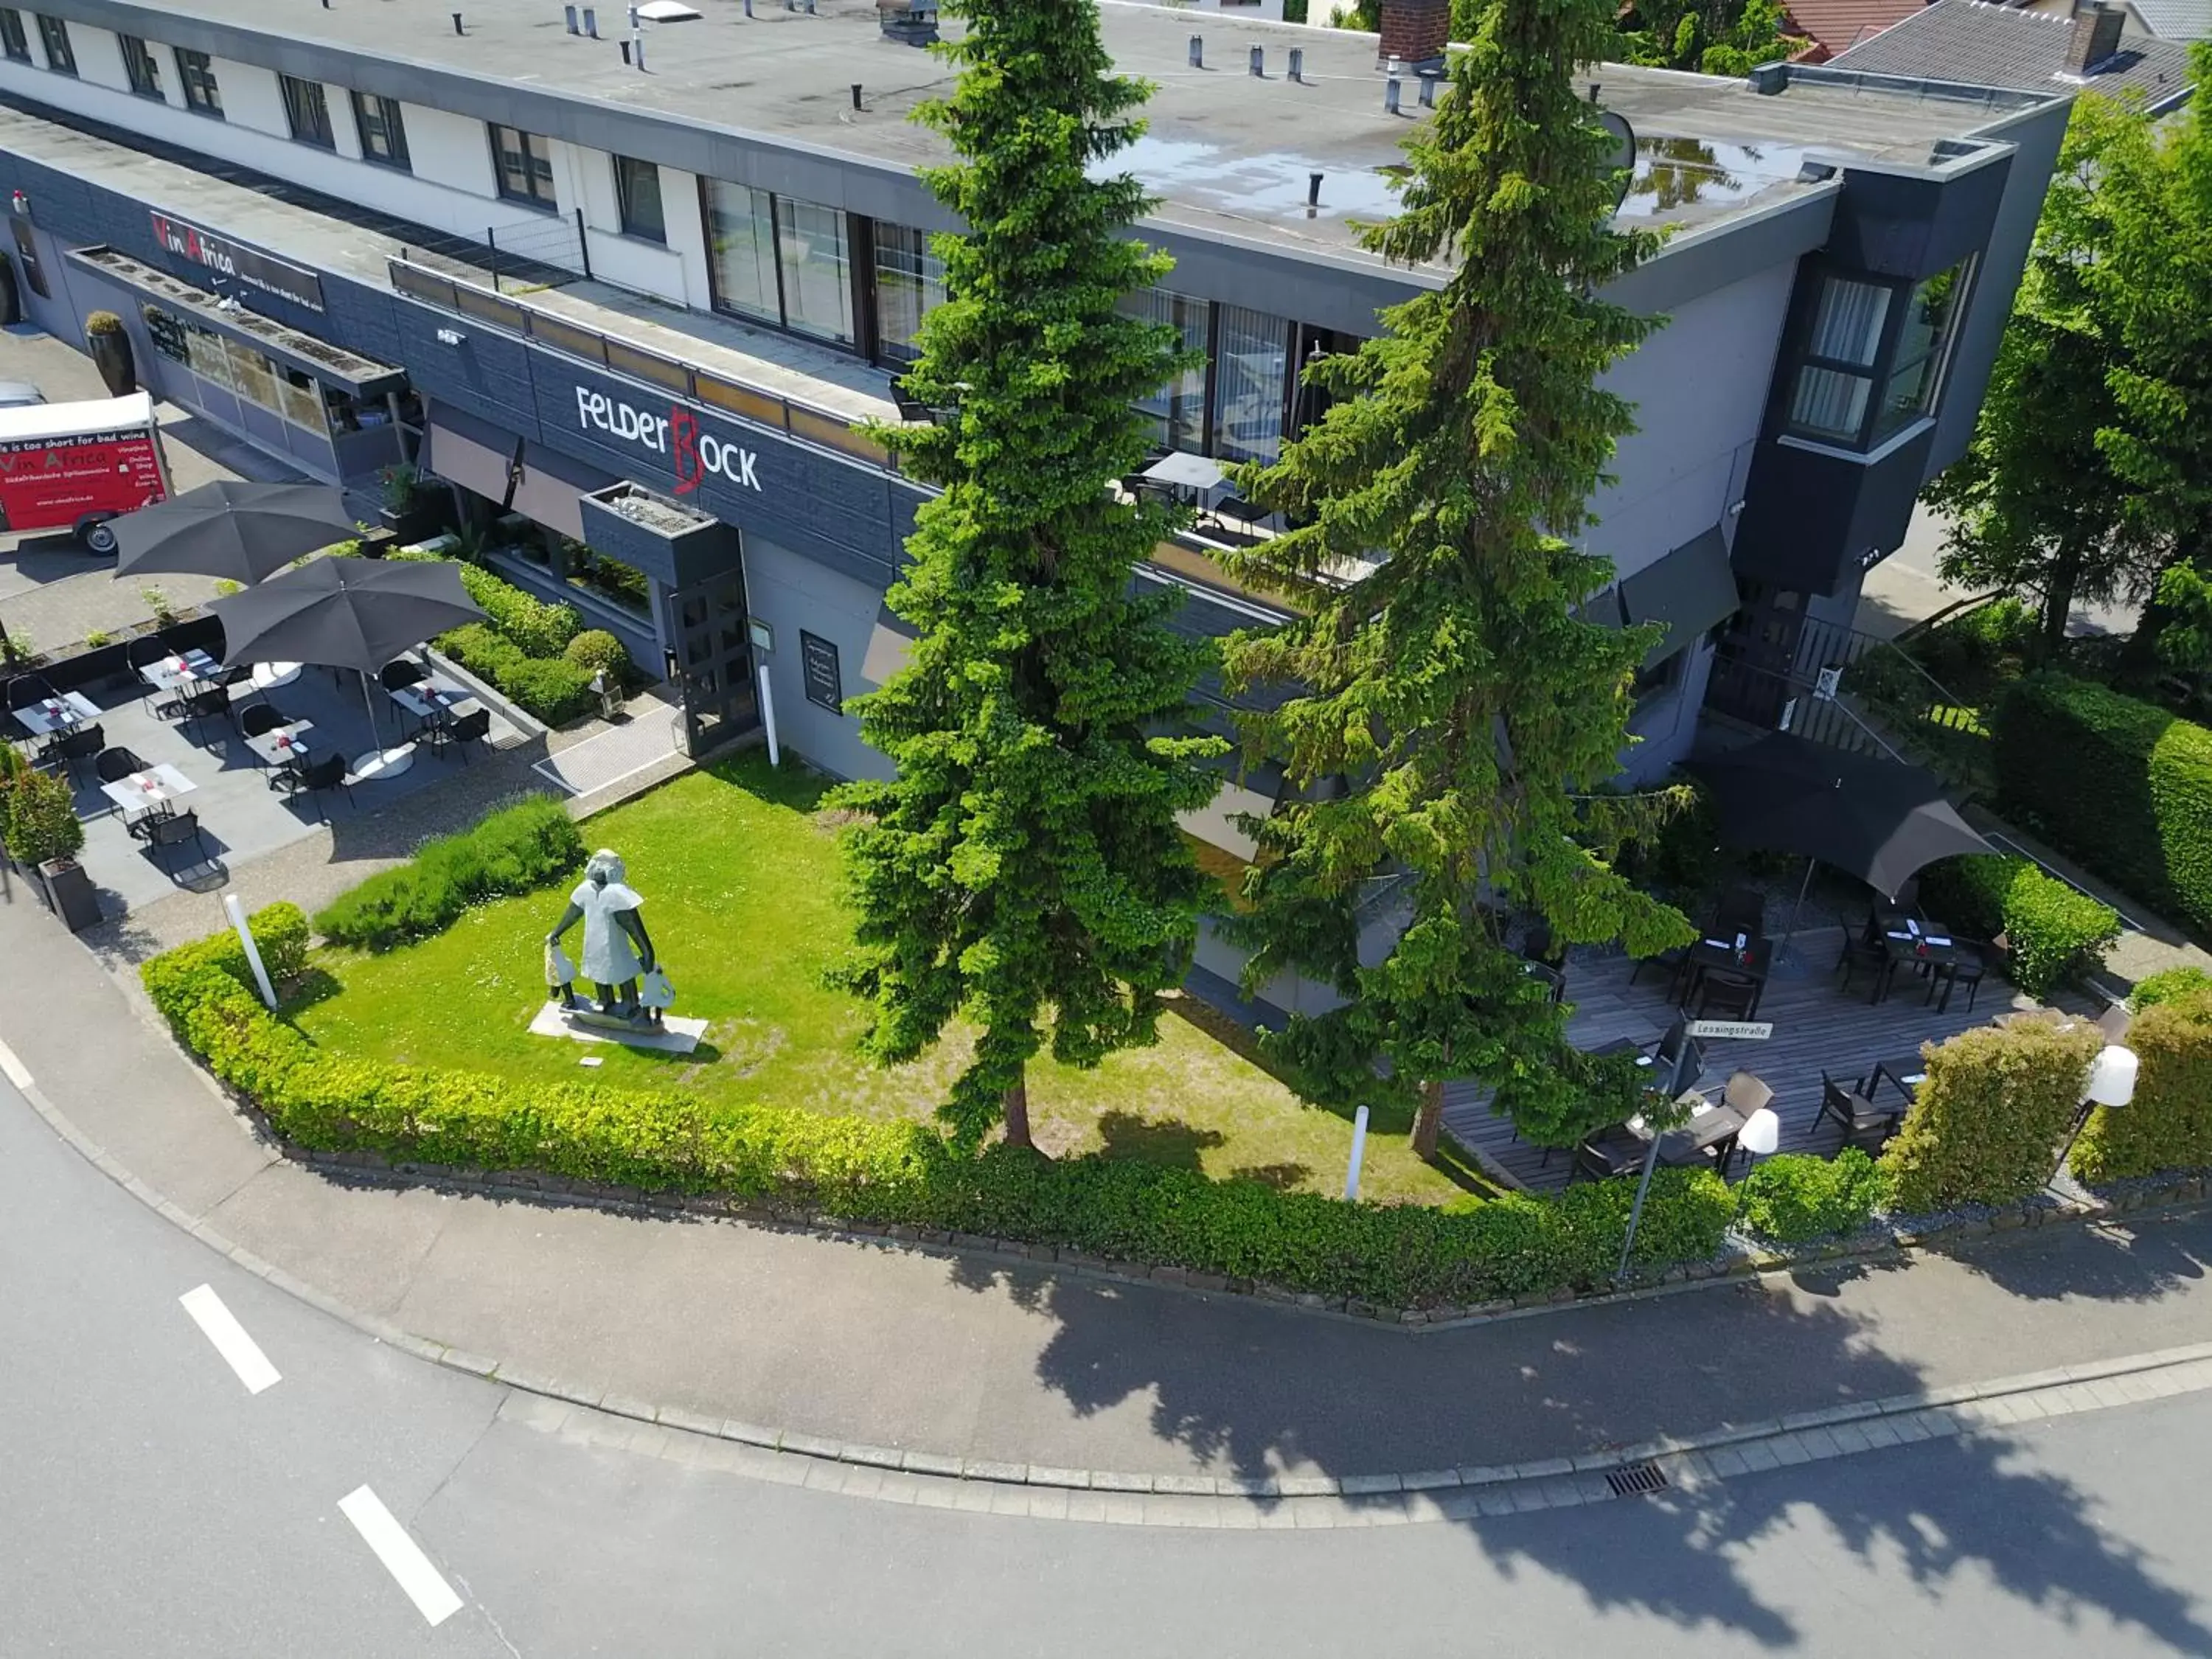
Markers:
(2179, 21)
(1834, 26)
(1974, 44)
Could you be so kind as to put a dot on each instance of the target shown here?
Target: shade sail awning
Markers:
(473, 453)
(1687, 592)
(547, 487)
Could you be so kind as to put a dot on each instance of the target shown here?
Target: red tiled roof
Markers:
(1835, 26)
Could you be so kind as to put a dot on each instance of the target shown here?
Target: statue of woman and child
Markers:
(618, 954)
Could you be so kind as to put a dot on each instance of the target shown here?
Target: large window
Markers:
(383, 134)
(909, 284)
(197, 76)
(307, 110)
(780, 259)
(61, 59)
(1251, 359)
(525, 163)
(1178, 409)
(12, 41)
(637, 192)
(139, 64)
(1924, 343)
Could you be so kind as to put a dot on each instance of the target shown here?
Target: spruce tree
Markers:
(1453, 722)
(1025, 869)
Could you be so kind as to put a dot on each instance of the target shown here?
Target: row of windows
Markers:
(1872, 363)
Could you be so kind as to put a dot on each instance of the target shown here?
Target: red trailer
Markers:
(77, 466)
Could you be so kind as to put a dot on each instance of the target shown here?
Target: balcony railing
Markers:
(758, 404)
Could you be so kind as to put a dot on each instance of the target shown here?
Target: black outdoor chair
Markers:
(25, 689)
(459, 732)
(1861, 1118)
(78, 743)
(316, 777)
(400, 673)
(113, 765)
(1608, 1153)
(1731, 993)
(262, 717)
(1742, 910)
(1553, 978)
(174, 829)
(1674, 961)
(209, 702)
(1866, 954)
(1966, 969)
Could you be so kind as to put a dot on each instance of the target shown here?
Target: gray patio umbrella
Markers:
(344, 613)
(232, 528)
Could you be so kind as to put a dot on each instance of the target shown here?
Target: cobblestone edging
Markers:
(1439, 1493)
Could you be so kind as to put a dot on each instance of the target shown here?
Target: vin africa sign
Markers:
(265, 271)
(691, 453)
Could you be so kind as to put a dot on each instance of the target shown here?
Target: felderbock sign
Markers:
(692, 454)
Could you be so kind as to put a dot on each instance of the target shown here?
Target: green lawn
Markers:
(739, 875)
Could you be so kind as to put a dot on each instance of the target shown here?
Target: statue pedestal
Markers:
(675, 1034)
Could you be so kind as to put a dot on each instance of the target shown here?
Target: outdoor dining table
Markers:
(151, 790)
(429, 701)
(1711, 1129)
(269, 676)
(1195, 474)
(57, 713)
(170, 674)
(1918, 943)
(1752, 960)
(280, 746)
(1905, 1074)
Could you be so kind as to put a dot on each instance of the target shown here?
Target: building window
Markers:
(1657, 679)
(54, 34)
(138, 64)
(383, 134)
(197, 76)
(1178, 409)
(1835, 383)
(637, 193)
(910, 285)
(525, 162)
(11, 35)
(309, 112)
(780, 259)
(1923, 344)
(1251, 364)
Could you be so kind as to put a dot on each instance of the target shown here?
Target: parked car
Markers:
(19, 394)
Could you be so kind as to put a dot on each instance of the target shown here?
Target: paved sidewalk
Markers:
(977, 1360)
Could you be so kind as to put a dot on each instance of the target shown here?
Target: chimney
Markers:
(913, 22)
(1414, 32)
(2096, 35)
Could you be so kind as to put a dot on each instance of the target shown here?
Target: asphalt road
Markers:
(1904, 588)
(150, 1503)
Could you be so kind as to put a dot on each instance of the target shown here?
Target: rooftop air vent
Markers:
(913, 22)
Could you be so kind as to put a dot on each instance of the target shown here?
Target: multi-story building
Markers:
(492, 241)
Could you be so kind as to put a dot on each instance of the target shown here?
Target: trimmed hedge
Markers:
(2121, 784)
(551, 689)
(1987, 1123)
(538, 628)
(2168, 1124)
(860, 1169)
(513, 851)
(2167, 986)
(1797, 1197)
(2055, 934)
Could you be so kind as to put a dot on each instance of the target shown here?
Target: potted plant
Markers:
(43, 838)
(110, 348)
(413, 509)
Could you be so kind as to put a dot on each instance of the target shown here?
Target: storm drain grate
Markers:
(1636, 1480)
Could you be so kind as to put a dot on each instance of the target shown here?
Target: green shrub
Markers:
(2121, 784)
(2166, 986)
(862, 1169)
(538, 627)
(1987, 1123)
(1796, 1197)
(551, 689)
(513, 851)
(595, 650)
(2168, 1124)
(42, 822)
(2055, 934)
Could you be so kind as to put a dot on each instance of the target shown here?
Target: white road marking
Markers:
(229, 1337)
(403, 1557)
(17, 1072)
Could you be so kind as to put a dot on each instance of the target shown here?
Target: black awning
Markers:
(1689, 591)
(474, 454)
(546, 489)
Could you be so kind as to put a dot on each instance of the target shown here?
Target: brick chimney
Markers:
(1414, 31)
(2096, 35)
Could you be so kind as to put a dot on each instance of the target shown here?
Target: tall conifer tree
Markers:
(1025, 869)
(1453, 721)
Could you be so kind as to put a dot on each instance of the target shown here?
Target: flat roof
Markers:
(1228, 152)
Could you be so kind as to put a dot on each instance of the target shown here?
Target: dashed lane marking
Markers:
(403, 1557)
(221, 1327)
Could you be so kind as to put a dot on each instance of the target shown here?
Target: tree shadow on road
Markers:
(2136, 1258)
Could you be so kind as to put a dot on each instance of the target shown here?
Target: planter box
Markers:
(107, 666)
(428, 514)
(671, 543)
(70, 894)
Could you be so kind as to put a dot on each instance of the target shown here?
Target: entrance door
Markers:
(712, 660)
(1753, 673)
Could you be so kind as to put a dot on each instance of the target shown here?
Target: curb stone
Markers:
(1797, 1437)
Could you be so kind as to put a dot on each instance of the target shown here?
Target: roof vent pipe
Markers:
(856, 95)
(749, 7)
(591, 22)
(1260, 61)
(1297, 62)
(1390, 90)
(625, 53)
(1428, 92)
(1198, 52)
(568, 12)
(457, 29)
(1313, 190)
